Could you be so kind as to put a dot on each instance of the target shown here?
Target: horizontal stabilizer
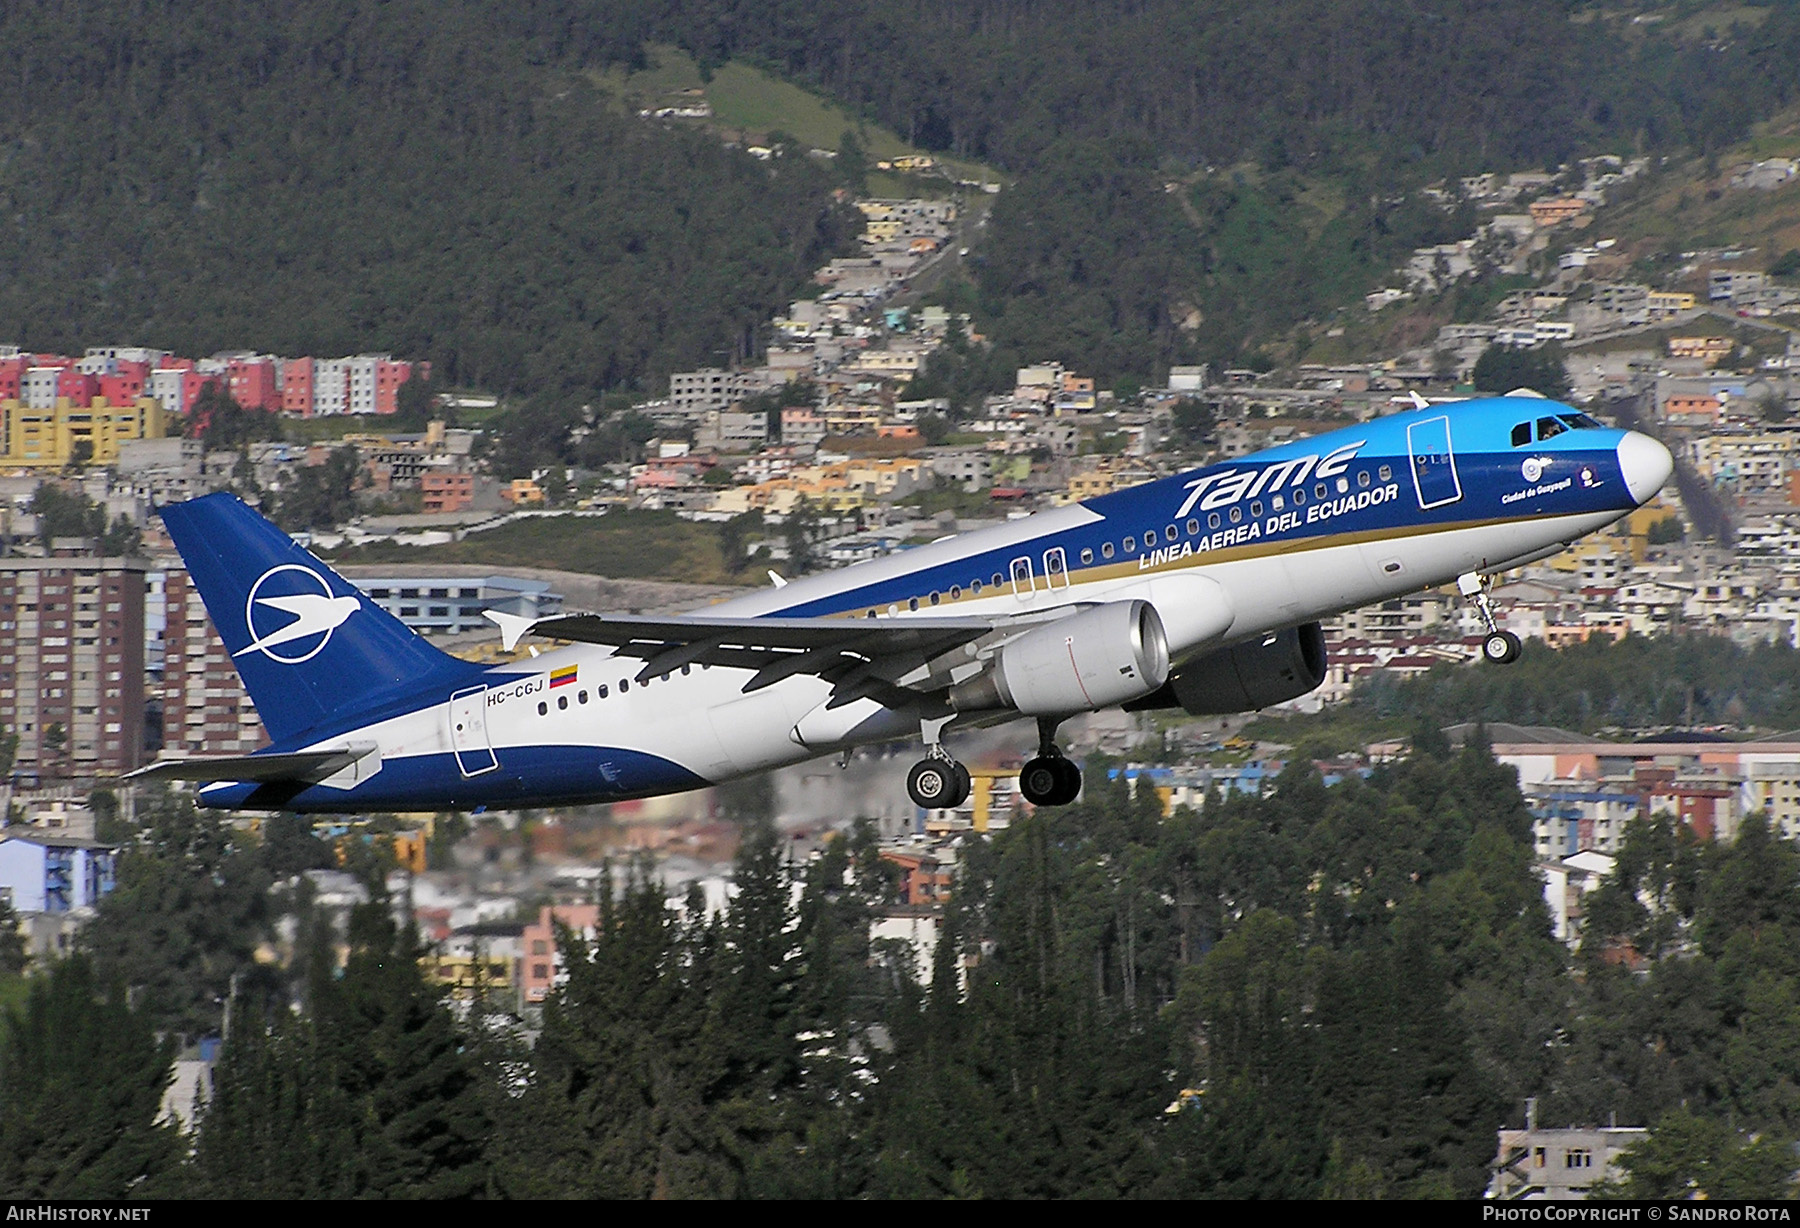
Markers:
(303, 765)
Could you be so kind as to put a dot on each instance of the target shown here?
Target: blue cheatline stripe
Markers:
(1491, 485)
(534, 775)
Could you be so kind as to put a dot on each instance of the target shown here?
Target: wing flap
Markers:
(304, 765)
(832, 648)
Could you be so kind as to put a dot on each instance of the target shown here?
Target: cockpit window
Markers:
(1521, 434)
(1581, 422)
(1549, 428)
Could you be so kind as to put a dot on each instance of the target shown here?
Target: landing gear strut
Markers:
(1049, 779)
(937, 782)
(1499, 647)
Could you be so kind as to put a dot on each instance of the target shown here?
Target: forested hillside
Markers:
(1190, 178)
(1455, 83)
(1195, 177)
(427, 177)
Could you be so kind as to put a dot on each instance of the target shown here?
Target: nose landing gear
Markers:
(1499, 647)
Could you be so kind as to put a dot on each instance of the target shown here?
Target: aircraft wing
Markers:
(859, 656)
(305, 765)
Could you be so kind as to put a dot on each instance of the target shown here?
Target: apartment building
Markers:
(72, 664)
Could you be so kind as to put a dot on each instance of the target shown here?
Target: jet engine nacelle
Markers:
(1247, 676)
(1096, 659)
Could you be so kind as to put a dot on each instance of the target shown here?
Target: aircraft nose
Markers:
(1645, 464)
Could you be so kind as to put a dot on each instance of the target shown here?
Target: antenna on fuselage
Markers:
(1418, 401)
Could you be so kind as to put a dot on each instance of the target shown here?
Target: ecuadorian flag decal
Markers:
(563, 676)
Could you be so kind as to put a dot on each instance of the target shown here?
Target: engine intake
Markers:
(1246, 676)
(1088, 661)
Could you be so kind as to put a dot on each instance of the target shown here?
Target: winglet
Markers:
(512, 627)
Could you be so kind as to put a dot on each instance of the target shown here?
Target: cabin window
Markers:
(999, 579)
(1549, 428)
(1256, 507)
(975, 588)
(601, 691)
(1171, 534)
(1276, 502)
(871, 612)
(1237, 514)
(1087, 556)
(1193, 526)
(1385, 473)
(1106, 550)
(1521, 434)
(912, 603)
(624, 686)
(685, 670)
(1130, 544)
(955, 591)
(562, 703)
(1212, 520)
(581, 696)
(543, 708)
(1362, 478)
(1299, 495)
(1321, 491)
(935, 598)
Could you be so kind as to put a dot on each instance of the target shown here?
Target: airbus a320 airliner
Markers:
(1201, 591)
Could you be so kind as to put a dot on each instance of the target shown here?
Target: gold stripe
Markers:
(1230, 554)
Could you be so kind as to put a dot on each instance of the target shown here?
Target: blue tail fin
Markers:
(312, 650)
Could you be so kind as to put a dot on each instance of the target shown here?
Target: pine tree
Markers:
(382, 1041)
(81, 1086)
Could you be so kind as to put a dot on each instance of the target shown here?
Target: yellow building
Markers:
(1710, 349)
(522, 492)
(50, 438)
(467, 976)
(1090, 485)
(408, 847)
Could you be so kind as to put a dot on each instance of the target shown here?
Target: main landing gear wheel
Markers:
(1502, 648)
(938, 784)
(1050, 780)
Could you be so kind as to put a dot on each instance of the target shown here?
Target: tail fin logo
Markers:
(313, 614)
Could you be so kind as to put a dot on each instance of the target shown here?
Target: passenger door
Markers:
(1433, 463)
(469, 733)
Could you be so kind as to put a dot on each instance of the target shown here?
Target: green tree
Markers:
(1193, 422)
(1688, 1156)
(65, 513)
(223, 425)
(404, 1089)
(321, 496)
(82, 1077)
(1502, 368)
(14, 954)
(185, 920)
